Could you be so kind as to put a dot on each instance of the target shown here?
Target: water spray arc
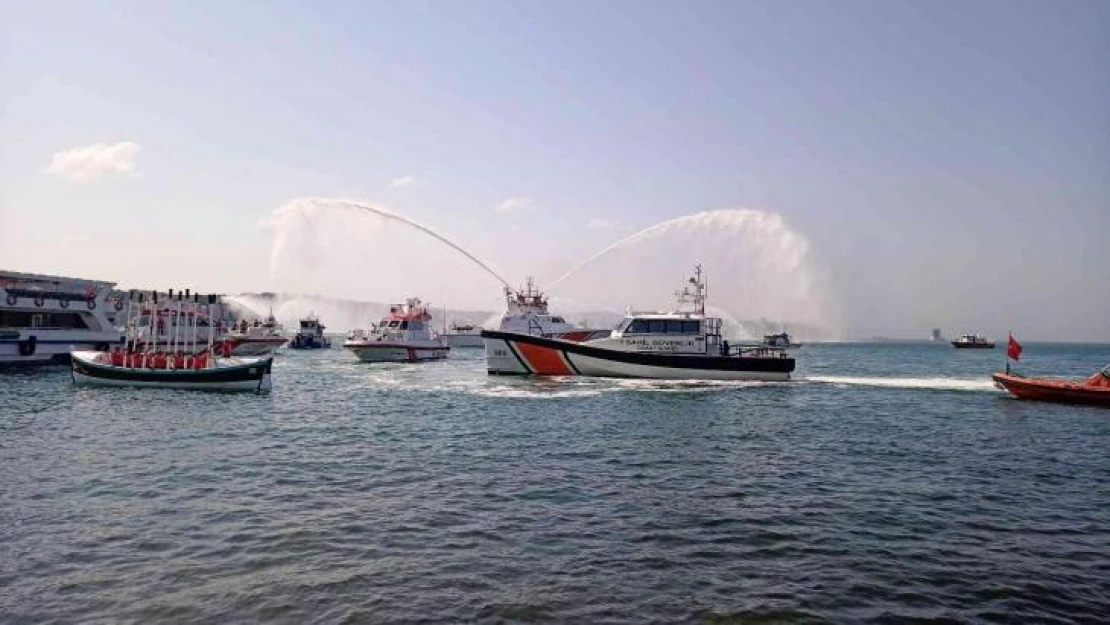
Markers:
(632, 237)
(296, 207)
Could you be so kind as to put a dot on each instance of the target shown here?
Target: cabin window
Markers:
(690, 326)
(557, 320)
(394, 323)
(657, 326)
(638, 326)
(25, 319)
(404, 325)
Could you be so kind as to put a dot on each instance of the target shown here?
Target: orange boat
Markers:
(1093, 390)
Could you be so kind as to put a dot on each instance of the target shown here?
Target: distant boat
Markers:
(973, 341)
(780, 341)
(1093, 390)
(462, 334)
(310, 335)
(936, 336)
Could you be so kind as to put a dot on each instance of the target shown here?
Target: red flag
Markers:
(1013, 350)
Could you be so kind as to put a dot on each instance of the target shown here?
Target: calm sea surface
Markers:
(889, 482)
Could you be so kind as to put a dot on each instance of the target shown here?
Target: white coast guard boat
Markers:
(43, 317)
(681, 344)
(404, 335)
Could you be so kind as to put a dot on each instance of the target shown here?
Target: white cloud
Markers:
(403, 181)
(601, 224)
(515, 202)
(94, 161)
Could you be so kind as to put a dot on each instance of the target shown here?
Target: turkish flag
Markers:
(1013, 350)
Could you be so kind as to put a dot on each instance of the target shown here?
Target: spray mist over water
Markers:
(759, 271)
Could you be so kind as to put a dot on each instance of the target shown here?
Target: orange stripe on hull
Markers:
(543, 360)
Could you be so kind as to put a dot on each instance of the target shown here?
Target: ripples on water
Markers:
(891, 483)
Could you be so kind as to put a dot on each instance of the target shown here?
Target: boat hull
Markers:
(375, 351)
(464, 341)
(959, 345)
(509, 353)
(309, 342)
(255, 346)
(251, 375)
(50, 346)
(1057, 391)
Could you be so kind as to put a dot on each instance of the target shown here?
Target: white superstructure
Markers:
(43, 317)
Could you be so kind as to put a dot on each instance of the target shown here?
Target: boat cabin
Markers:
(407, 321)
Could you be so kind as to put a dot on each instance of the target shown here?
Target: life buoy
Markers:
(39, 301)
(119, 306)
(12, 300)
(64, 303)
(27, 348)
(91, 304)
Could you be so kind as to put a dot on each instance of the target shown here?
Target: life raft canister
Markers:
(39, 301)
(64, 303)
(12, 300)
(118, 306)
(91, 304)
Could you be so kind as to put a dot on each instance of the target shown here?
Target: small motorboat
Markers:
(780, 340)
(310, 335)
(404, 335)
(973, 341)
(1093, 390)
(683, 344)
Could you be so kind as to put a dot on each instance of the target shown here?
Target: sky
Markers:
(947, 164)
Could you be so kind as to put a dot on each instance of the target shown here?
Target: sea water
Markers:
(887, 482)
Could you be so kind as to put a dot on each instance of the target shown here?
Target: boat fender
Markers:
(91, 304)
(119, 306)
(27, 348)
(12, 299)
(64, 303)
(39, 301)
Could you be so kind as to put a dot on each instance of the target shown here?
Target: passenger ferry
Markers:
(973, 341)
(404, 335)
(310, 335)
(43, 317)
(681, 344)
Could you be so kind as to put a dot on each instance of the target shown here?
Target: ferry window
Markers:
(404, 325)
(557, 320)
(657, 326)
(638, 326)
(689, 326)
(393, 324)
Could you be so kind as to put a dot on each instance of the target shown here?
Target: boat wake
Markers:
(937, 384)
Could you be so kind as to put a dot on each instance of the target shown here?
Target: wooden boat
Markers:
(217, 374)
(1093, 390)
(169, 364)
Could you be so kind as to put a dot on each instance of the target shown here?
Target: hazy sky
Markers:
(948, 162)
